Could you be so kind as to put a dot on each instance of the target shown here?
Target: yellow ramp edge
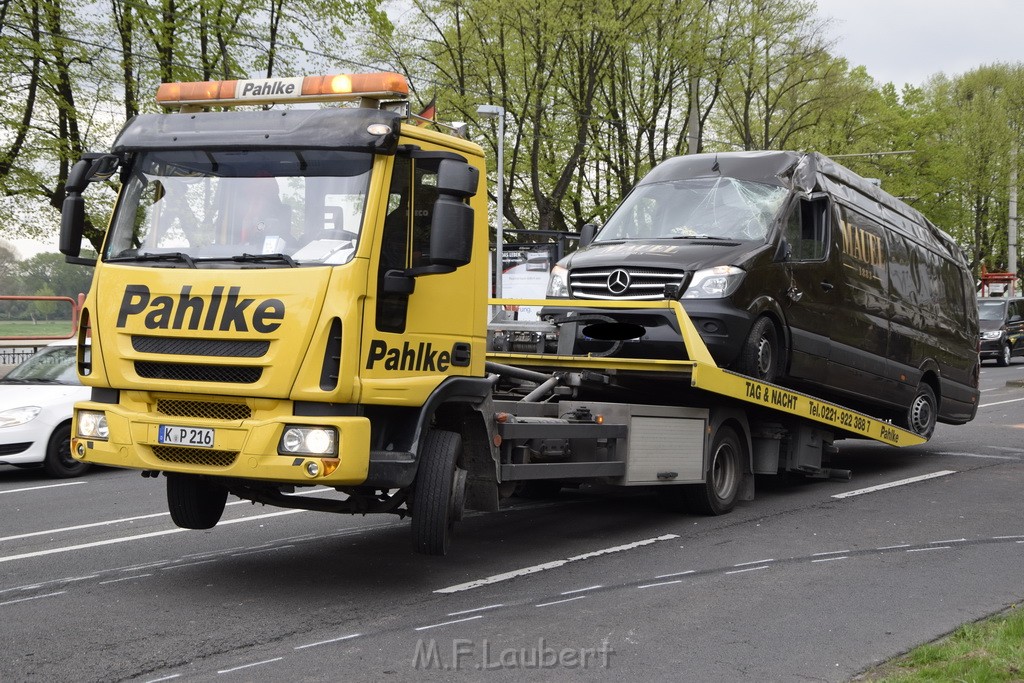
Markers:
(706, 375)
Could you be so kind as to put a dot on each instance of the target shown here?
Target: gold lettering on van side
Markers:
(863, 246)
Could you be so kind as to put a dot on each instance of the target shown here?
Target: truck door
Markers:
(810, 300)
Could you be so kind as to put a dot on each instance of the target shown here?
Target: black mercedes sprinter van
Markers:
(794, 270)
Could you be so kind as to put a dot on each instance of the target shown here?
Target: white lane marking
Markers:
(747, 564)
(958, 454)
(497, 578)
(666, 576)
(999, 403)
(830, 552)
(952, 540)
(34, 597)
(559, 602)
(892, 484)
(246, 666)
(749, 569)
(44, 486)
(165, 678)
(328, 642)
(921, 550)
(475, 609)
(1006, 538)
(122, 520)
(187, 564)
(582, 590)
(663, 583)
(260, 550)
(137, 537)
(894, 547)
(125, 578)
(831, 559)
(446, 623)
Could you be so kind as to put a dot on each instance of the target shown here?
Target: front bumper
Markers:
(991, 348)
(242, 449)
(23, 444)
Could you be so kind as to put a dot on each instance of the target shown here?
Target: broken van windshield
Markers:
(721, 208)
(300, 206)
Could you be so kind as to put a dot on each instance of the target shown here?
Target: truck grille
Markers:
(624, 283)
(195, 456)
(225, 348)
(208, 410)
(186, 372)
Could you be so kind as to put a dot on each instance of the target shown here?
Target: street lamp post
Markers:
(494, 111)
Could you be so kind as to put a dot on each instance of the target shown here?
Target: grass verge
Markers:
(987, 651)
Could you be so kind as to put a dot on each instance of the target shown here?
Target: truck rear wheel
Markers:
(194, 502)
(439, 494)
(721, 488)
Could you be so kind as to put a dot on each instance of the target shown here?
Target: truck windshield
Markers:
(277, 207)
(715, 208)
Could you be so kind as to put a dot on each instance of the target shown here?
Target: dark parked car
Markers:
(1002, 329)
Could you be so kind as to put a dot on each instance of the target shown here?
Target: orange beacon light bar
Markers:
(335, 88)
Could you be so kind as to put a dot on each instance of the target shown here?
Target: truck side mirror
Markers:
(587, 234)
(451, 228)
(72, 218)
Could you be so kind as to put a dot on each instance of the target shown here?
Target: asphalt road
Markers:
(803, 583)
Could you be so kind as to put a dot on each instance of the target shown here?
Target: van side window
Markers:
(807, 230)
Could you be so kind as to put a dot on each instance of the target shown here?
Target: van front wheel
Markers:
(1005, 356)
(760, 355)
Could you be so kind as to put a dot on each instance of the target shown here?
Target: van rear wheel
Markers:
(760, 355)
(922, 413)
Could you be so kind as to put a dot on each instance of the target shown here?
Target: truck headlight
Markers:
(18, 416)
(992, 334)
(714, 283)
(303, 440)
(92, 424)
(558, 283)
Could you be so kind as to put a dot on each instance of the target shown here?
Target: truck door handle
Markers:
(827, 286)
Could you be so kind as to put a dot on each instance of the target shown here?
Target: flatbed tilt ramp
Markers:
(569, 417)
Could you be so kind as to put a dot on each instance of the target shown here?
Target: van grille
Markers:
(228, 348)
(624, 283)
(203, 409)
(195, 456)
(185, 372)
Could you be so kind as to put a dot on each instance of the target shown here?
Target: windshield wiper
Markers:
(167, 256)
(702, 237)
(265, 258)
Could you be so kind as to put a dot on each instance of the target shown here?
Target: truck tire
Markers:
(58, 461)
(1005, 356)
(194, 501)
(721, 488)
(921, 414)
(761, 353)
(439, 494)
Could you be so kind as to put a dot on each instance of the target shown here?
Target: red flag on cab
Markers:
(429, 112)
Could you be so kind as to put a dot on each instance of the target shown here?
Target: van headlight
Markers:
(558, 283)
(714, 283)
(18, 416)
(992, 334)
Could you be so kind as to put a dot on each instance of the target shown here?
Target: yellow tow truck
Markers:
(293, 297)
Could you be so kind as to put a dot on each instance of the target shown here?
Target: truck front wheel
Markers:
(721, 487)
(194, 502)
(439, 493)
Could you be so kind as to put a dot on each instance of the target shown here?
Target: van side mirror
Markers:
(587, 234)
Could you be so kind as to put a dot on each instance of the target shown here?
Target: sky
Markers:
(898, 41)
(906, 41)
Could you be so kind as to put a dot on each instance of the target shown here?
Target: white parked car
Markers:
(36, 401)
